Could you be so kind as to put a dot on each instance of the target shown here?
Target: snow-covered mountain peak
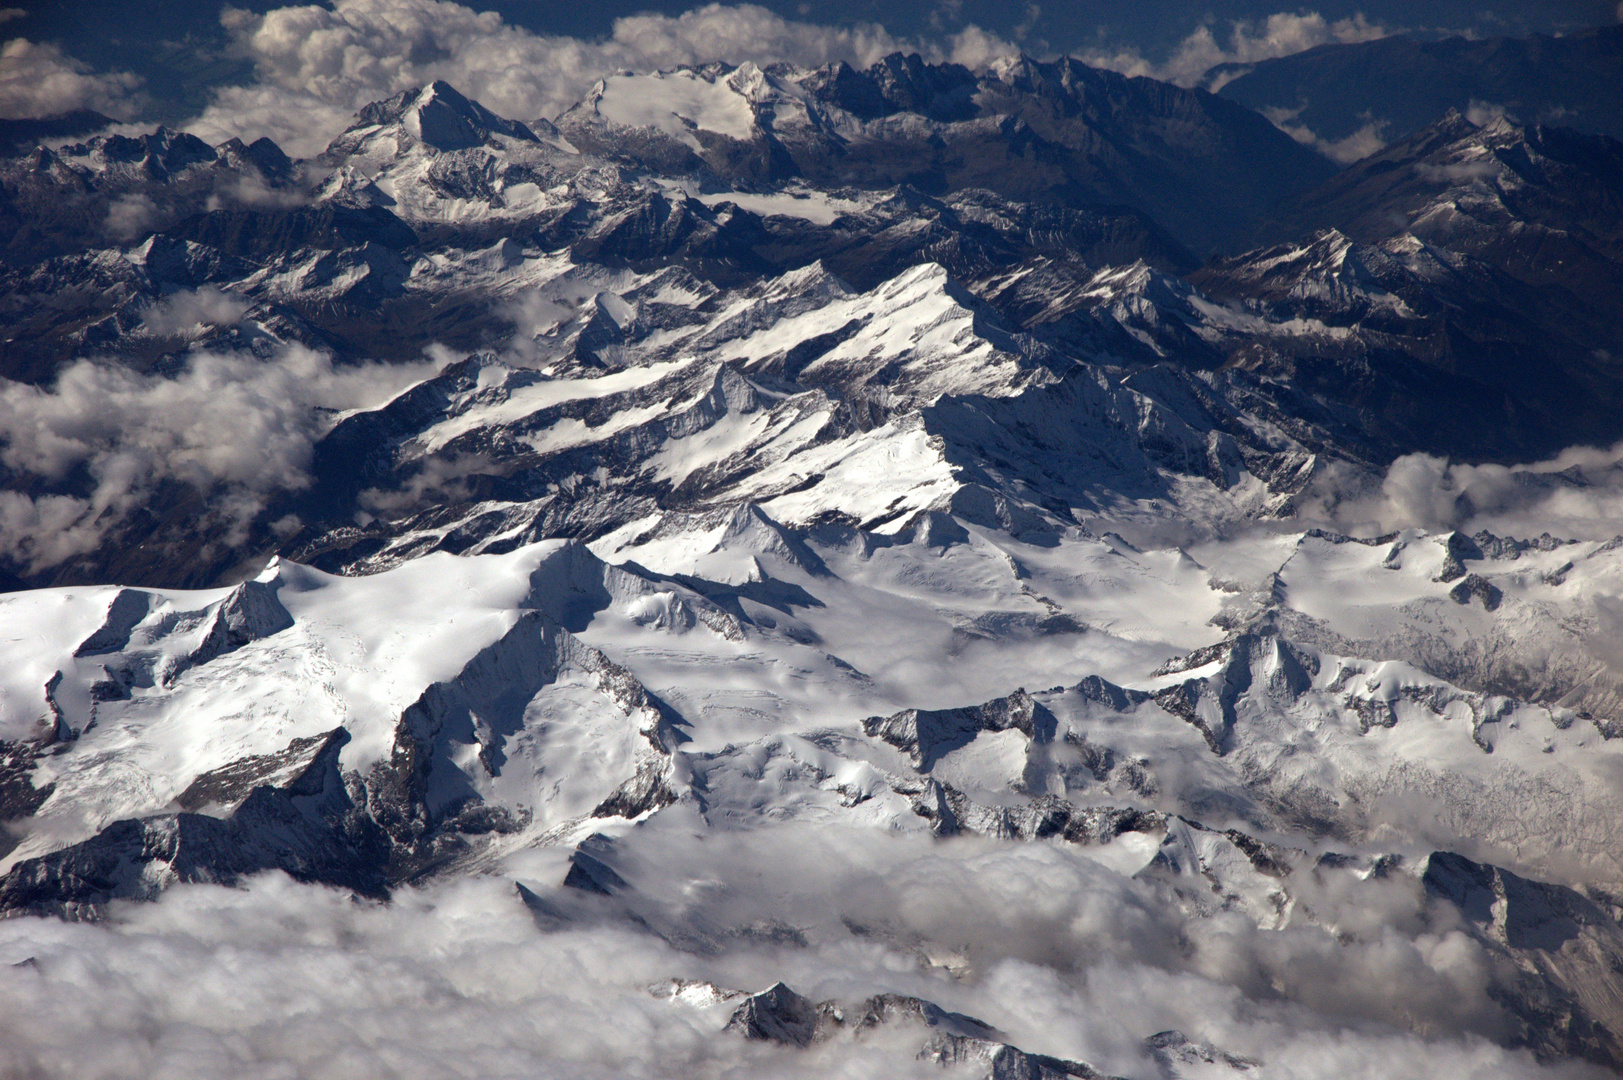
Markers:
(434, 119)
(690, 517)
(436, 115)
(1141, 280)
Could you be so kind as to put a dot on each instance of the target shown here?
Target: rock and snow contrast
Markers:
(786, 572)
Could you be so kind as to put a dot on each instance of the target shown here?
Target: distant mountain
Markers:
(121, 188)
(1403, 84)
(1447, 296)
(1058, 132)
(1545, 205)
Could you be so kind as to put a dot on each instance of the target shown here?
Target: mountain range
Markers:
(798, 525)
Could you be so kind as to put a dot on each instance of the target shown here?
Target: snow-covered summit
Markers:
(435, 115)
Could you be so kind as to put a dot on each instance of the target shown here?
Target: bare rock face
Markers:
(926, 735)
(778, 1014)
(1556, 955)
(308, 826)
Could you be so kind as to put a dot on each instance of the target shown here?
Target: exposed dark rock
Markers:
(1555, 956)
(927, 735)
(588, 871)
(645, 792)
(310, 827)
(230, 784)
(776, 1014)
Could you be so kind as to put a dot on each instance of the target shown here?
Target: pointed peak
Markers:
(1453, 125)
(1333, 239)
(439, 116)
(813, 277)
(1500, 126)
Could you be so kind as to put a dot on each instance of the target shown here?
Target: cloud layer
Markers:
(230, 424)
(1576, 495)
(1067, 957)
(316, 66)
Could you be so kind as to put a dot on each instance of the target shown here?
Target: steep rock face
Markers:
(1541, 203)
(435, 115)
(307, 826)
(468, 758)
(927, 735)
(1555, 950)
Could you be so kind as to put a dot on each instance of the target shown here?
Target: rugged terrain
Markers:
(868, 559)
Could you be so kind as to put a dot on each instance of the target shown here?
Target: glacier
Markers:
(713, 602)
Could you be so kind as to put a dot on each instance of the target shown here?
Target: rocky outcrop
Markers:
(310, 826)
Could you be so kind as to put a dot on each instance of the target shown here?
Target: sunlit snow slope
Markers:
(781, 572)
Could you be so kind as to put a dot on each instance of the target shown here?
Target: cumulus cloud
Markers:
(316, 65)
(1576, 495)
(38, 79)
(1280, 34)
(1066, 956)
(233, 425)
(248, 188)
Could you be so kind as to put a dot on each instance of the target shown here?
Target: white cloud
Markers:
(317, 66)
(40, 80)
(1483, 113)
(130, 216)
(1069, 958)
(1280, 34)
(1368, 139)
(1577, 494)
(194, 309)
(1460, 171)
(231, 424)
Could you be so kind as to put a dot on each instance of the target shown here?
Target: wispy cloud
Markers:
(1368, 139)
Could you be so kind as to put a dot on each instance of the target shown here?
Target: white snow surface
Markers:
(675, 102)
(771, 646)
(832, 706)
